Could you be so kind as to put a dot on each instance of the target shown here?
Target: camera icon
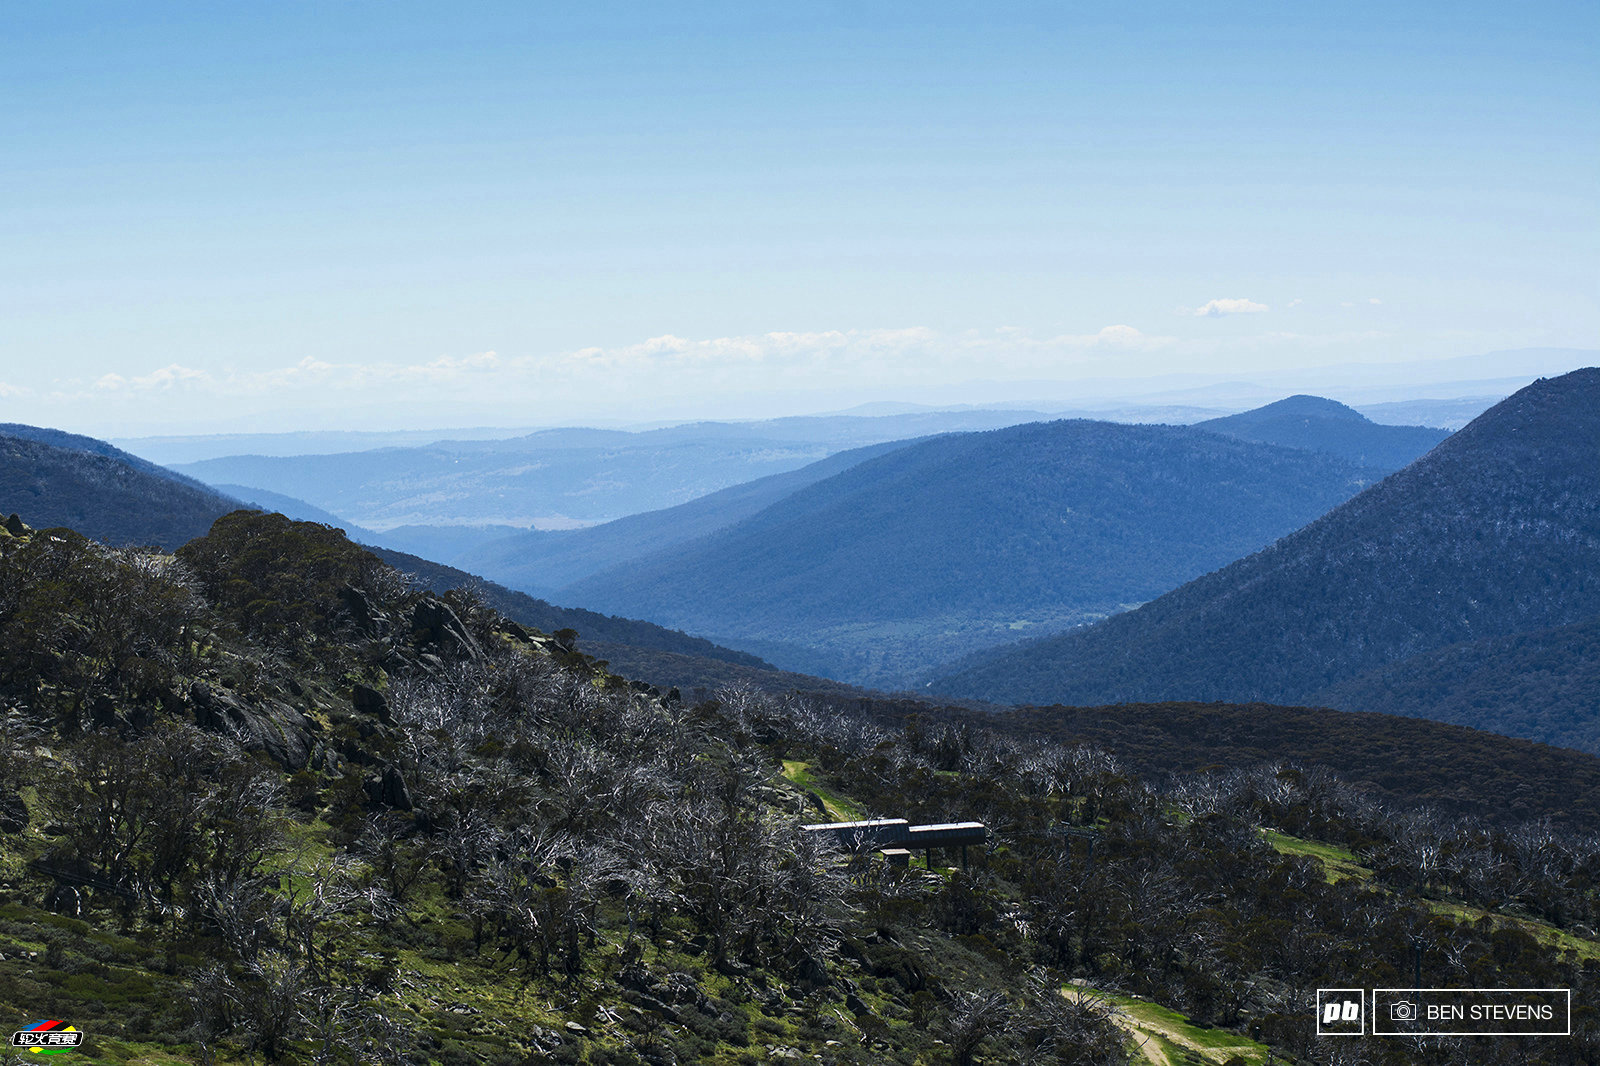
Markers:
(1402, 1012)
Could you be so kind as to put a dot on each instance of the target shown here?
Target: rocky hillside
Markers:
(260, 802)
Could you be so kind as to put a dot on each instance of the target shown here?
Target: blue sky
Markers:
(294, 216)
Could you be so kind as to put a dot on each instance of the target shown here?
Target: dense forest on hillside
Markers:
(1544, 685)
(1494, 533)
(263, 801)
(52, 478)
(1399, 760)
(914, 558)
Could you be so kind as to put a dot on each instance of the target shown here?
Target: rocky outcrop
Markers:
(369, 701)
(264, 725)
(389, 790)
(435, 625)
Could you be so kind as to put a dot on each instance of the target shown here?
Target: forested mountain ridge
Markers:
(1322, 425)
(51, 478)
(261, 802)
(1495, 532)
(541, 561)
(1543, 685)
(582, 474)
(77, 442)
(912, 558)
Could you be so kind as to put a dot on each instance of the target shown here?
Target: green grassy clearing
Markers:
(840, 808)
(1165, 1036)
(1337, 863)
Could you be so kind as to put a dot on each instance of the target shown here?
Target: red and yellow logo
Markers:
(47, 1037)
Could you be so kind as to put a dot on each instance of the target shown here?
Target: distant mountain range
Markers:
(544, 560)
(569, 477)
(915, 557)
(1465, 586)
(50, 478)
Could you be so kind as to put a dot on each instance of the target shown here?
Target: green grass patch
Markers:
(1548, 935)
(1172, 1034)
(1337, 863)
(840, 808)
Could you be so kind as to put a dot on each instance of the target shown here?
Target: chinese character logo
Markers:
(47, 1037)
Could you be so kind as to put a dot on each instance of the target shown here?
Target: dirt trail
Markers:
(1142, 1030)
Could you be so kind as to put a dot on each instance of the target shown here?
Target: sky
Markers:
(286, 216)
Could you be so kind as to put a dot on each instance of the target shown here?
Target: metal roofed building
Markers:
(898, 835)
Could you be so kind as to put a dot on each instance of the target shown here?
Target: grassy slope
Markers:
(1163, 1037)
(1340, 863)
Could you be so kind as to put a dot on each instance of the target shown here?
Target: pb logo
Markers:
(1339, 1011)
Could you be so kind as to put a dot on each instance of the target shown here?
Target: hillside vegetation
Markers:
(1544, 685)
(666, 657)
(119, 499)
(51, 478)
(1494, 533)
(911, 559)
(262, 802)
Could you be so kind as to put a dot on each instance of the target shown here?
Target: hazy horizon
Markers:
(365, 216)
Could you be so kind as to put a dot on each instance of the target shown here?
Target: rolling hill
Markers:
(1322, 425)
(1493, 534)
(50, 478)
(642, 650)
(541, 560)
(911, 559)
(274, 806)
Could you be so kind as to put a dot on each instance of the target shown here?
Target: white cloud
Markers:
(1126, 337)
(1228, 306)
(1373, 300)
(893, 353)
(8, 390)
(1296, 302)
(170, 375)
(645, 374)
(162, 378)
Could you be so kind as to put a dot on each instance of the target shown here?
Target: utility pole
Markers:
(1417, 941)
